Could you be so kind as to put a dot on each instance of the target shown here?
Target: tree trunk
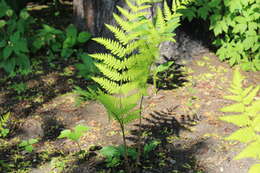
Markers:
(91, 15)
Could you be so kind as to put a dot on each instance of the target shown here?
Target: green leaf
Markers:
(237, 107)
(189, 13)
(7, 52)
(234, 98)
(251, 151)
(244, 135)
(2, 23)
(239, 120)
(81, 128)
(203, 12)
(2, 43)
(8, 65)
(65, 134)
(32, 141)
(83, 37)
(66, 52)
(29, 148)
(163, 67)
(255, 168)
(249, 98)
(110, 151)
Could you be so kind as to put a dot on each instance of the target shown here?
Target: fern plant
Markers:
(247, 118)
(127, 66)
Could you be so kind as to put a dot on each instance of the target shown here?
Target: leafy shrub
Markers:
(247, 118)
(59, 42)
(235, 24)
(14, 34)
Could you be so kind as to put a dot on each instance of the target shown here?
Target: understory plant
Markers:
(75, 134)
(247, 118)
(235, 24)
(61, 43)
(4, 130)
(127, 65)
(14, 42)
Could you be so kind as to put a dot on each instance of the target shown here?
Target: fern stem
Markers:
(78, 145)
(140, 133)
(125, 148)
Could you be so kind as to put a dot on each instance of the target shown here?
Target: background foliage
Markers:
(235, 24)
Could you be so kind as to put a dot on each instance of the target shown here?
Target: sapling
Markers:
(75, 134)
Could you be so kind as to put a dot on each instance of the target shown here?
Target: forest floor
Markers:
(182, 116)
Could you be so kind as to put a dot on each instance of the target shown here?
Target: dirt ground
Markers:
(183, 116)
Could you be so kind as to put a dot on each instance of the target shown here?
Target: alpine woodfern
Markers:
(127, 65)
(247, 118)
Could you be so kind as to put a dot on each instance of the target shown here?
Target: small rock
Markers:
(32, 128)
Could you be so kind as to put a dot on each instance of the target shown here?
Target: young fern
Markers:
(247, 118)
(127, 66)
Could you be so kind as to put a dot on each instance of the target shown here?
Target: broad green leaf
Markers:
(237, 107)
(2, 43)
(83, 37)
(32, 141)
(66, 52)
(255, 168)
(65, 134)
(29, 148)
(8, 65)
(239, 120)
(2, 23)
(110, 151)
(81, 128)
(7, 52)
(244, 135)
(251, 151)
(163, 67)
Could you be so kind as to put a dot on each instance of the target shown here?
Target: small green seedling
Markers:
(74, 134)
(28, 144)
(114, 154)
(19, 87)
(3, 124)
(150, 147)
(161, 68)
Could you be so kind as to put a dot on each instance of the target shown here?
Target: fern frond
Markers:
(110, 73)
(4, 119)
(137, 8)
(132, 16)
(160, 22)
(125, 25)
(110, 86)
(132, 47)
(141, 2)
(167, 11)
(115, 47)
(119, 34)
(109, 60)
(127, 87)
